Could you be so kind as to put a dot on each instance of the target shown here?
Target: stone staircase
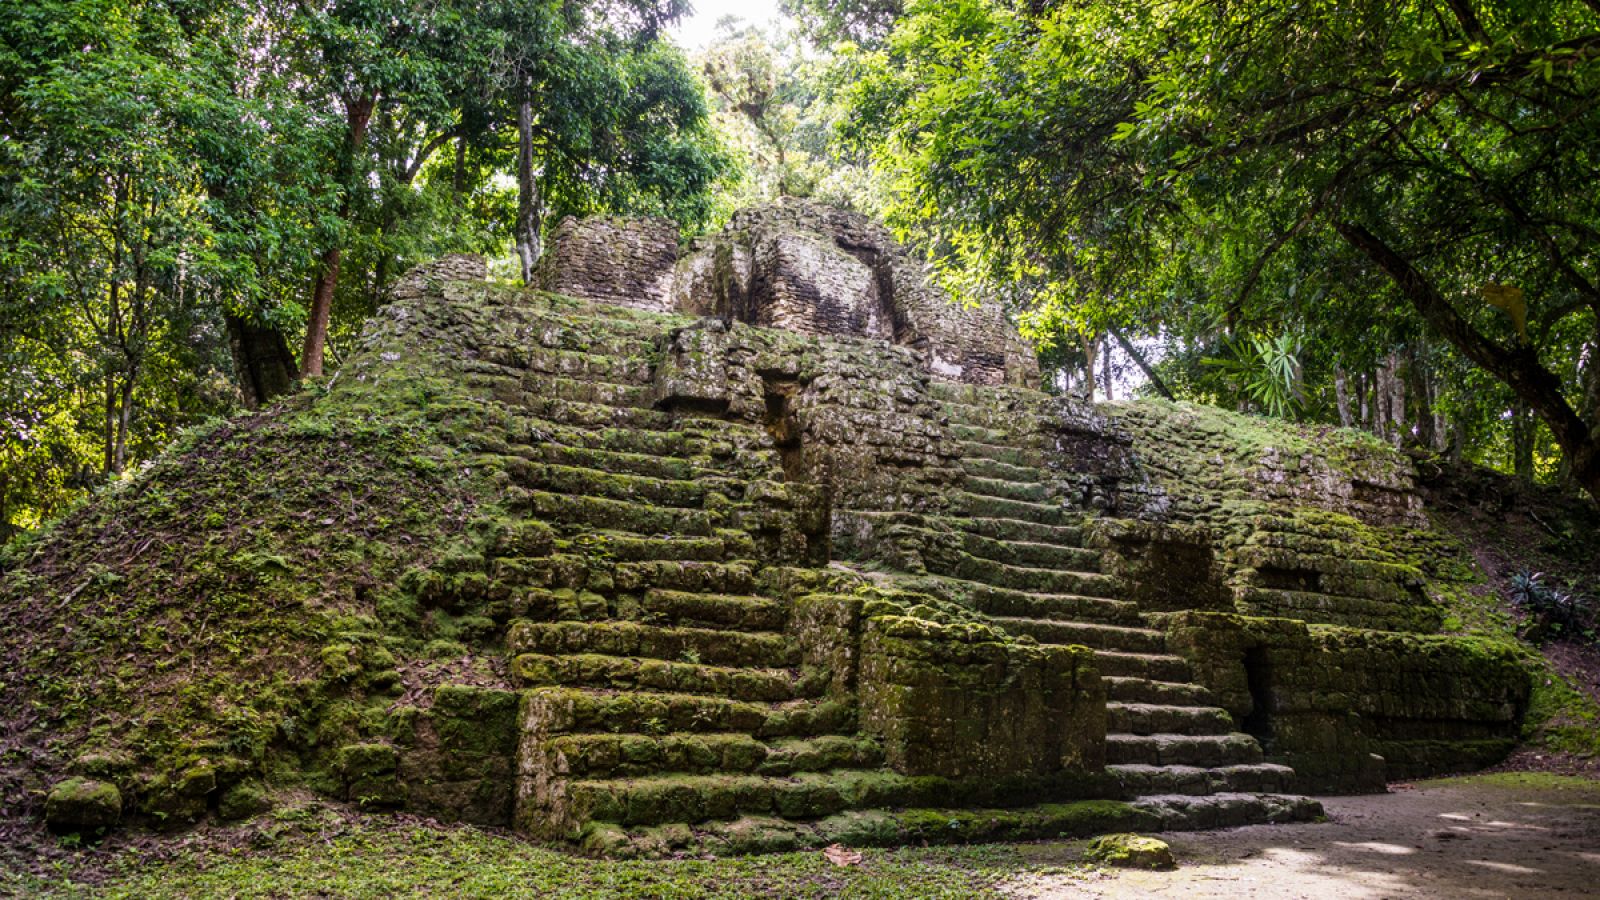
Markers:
(641, 591)
(1022, 563)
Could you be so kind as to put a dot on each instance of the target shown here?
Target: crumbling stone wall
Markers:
(817, 270)
(794, 266)
(1349, 708)
(619, 260)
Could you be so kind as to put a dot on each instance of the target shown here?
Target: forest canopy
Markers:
(1374, 214)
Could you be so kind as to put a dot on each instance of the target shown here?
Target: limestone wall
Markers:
(794, 266)
(1349, 708)
(618, 260)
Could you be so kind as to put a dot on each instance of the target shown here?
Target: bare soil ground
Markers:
(1522, 835)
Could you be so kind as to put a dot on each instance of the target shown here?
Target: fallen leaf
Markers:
(840, 855)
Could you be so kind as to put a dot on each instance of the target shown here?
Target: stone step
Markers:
(691, 799)
(652, 465)
(527, 435)
(737, 612)
(1203, 750)
(1142, 690)
(1152, 666)
(629, 673)
(1028, 492)
(642, 755)
(625, 547)
(614, 515)
(609, 335)
(582, 482)
(1184, 812)
(1140, 780)
(992, 412)
(552, 711)
(675, 575)
(1024, 578)
(717, 647)
(1003, 529)
(1008, 603)
(984, 467)
(604, 393)
(1089, 634)
(979, 506)
(982, 443)
(1158, 718)
(1032, 553)
(587, 415)
(591, 367)
(975, 394)
(1335, 609)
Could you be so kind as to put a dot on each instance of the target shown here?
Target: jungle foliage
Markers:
(1403, 193)
(190, 191)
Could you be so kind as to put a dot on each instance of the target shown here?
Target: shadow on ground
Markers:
(1504, 835)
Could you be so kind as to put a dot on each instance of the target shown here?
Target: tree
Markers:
(1263, 166)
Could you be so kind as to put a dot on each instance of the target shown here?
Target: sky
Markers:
(694, 31)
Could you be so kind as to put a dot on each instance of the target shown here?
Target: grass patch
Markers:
(322, 851)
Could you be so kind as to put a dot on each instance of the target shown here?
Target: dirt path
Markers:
(1507, 835)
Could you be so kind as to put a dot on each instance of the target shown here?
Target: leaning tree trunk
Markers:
(1518, 365)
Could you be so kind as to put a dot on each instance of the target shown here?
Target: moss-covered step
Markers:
(1022, 578)
(652, 465)
(737, 577)
(693, 799)
(1143, 780)
(714, 646)
(584, 415)
(970, 442)
(606, 756)
(870, 828)
(1089, 634)
(1204, 750)
(614, 485)
(1001, 528)
(637, 673)
(1321, 608)
(1186, 812)
(1040, 554)
(983, 467)
(587, 366)
(614, 515)
(736, 612)
(1152, 666)
(1142, 690)
(605, 393)
(622, 546)
(548, 712)
(1158, 718)
(966, 503)
(1024, 491)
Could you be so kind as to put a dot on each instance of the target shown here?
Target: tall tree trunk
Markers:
(1105, 362)
(1518, 365)
(1341, 395)
(1420, 386)
(1089, 347)
(125, 417)
(530, 201)
(358, 114)
(111, 425)
(1522, 434)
